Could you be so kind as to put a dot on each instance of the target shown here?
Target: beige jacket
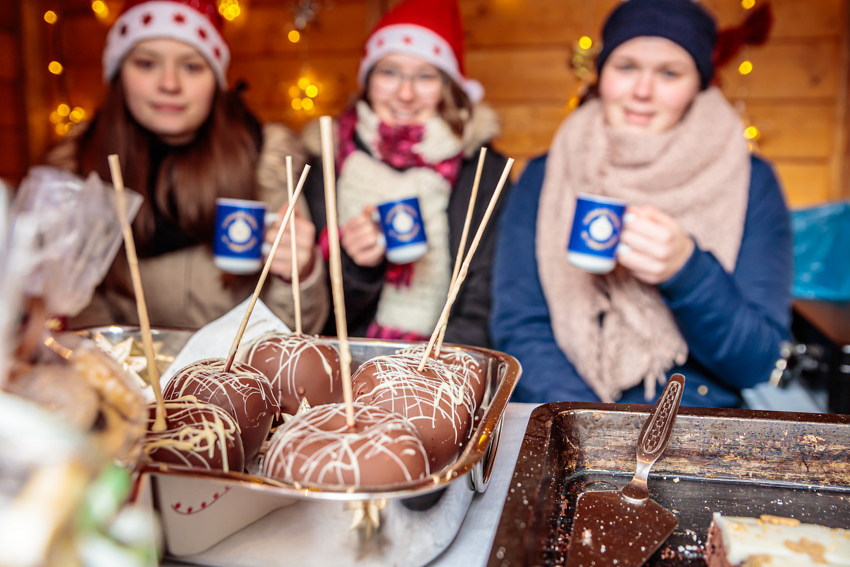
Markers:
(184, 289)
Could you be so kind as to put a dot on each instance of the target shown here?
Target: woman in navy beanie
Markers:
(702, 282)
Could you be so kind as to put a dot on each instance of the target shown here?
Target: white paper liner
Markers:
(215, 339)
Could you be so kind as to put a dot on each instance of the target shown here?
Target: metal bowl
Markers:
(218, 518)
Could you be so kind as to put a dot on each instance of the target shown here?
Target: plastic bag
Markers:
(822, 252)
(78, 234)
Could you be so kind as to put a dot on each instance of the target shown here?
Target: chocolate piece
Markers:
(436, 401)
(317, 448)
(298, 367)
(464, 365)
(196, 435)
(243, 392)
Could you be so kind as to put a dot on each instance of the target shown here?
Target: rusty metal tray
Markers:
(736, 462)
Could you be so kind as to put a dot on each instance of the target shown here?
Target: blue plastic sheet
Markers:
(822, 252)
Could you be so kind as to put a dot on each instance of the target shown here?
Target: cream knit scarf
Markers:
(366, 180)
(616, 330)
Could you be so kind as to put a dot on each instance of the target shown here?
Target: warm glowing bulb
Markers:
(50, 17)
(296, 103)
(307, 103)
(55, 67)
(303, 83)
(747, 4)
(585, 42)
(745, 68)
(99, 8)
(294, 36)
(311, 91)
(76, 116)
(573, 104)
(55, 118)
(63, 109)
(294, 91)
(751, 132)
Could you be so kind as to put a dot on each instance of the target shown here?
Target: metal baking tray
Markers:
(736, 462)
(228, 519)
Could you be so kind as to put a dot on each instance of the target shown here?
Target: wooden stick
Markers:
(296, 280)
(159, 423)
(289, 210)
(444, 316)
(462, 245)
(326, 128)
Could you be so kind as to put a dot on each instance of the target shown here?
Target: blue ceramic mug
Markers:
(595, 234)
(403, 229)
(239, 235)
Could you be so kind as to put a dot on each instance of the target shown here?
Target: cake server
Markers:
(624, 527)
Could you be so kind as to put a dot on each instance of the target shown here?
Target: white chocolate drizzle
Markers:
(190, 436)
(208, 377)
(319, 448)
(435, 395)
(466, 366)
(283, 351)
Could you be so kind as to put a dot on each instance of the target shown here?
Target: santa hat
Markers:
(195, 22)
(428, 29)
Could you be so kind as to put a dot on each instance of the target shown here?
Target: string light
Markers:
(748, 4)
(302, 94)
(55, 67)
(585, 42)
(64, 118)
(50, 17)
(746, 67)
(294, 36)
(229, 9)
(100, 9)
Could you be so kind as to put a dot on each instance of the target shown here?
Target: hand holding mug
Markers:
(362, 240)
(595, 234)
(305, 245)
(654, 247)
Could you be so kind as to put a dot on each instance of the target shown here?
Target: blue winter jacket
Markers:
(733, 323)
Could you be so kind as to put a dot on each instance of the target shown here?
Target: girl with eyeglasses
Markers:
(415, 131)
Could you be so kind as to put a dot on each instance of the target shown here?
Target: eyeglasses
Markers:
(425, 84)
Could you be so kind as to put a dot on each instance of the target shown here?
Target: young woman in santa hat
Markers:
(416, 130)
(184, 140)
(703, 280)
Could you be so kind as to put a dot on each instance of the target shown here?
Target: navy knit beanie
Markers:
(682, 21)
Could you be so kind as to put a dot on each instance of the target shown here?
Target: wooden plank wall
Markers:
(13, 141)
(519, 50)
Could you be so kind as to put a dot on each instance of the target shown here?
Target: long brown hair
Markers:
(220, 161)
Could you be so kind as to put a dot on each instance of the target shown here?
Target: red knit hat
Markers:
(431, 30)
(195, 22)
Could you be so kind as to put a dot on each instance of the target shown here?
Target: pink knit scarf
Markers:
(616, 330)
